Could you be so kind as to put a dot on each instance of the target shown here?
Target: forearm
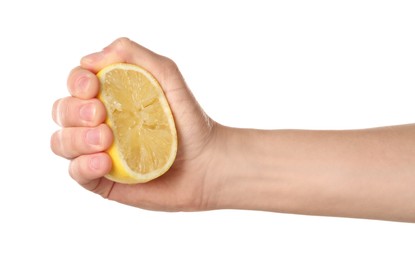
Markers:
(360, 173)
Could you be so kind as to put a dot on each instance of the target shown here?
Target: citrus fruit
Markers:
(145, 138)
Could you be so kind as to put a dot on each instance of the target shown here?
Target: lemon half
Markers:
(145, 137)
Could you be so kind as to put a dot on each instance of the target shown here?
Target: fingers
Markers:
(121, 50)
(82, 83)
(71, 112)
(125, 50)
(87, 168)
(73, 142)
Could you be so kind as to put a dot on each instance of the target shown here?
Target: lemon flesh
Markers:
(145, 138)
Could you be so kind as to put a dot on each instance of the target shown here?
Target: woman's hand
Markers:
(84, 137)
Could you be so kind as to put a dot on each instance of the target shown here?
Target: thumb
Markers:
(126, 51)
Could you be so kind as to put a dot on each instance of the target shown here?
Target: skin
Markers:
(367, 173)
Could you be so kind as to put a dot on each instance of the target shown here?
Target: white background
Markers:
(260, 64)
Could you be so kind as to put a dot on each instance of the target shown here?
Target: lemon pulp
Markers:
(145, 139)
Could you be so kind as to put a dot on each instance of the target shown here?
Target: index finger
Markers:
(83, 83)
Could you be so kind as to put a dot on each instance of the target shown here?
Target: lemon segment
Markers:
(145, 137)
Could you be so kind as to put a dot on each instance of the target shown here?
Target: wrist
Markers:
(243, 170)
(291, 171)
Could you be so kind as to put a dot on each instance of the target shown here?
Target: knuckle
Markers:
(63, 111)
(119, 44)
(73, 142)
(54, 110)
(74, 169)
(55, 143)
(168, 69)
(169, 64)
(122, 41)
(57, 113)
(60, 144)
(69, 144)
(72, 77)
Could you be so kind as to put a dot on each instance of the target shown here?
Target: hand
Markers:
(365, 173)
(84, 136)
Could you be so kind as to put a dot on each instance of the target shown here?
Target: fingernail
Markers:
(82, 83)
(95, 163)
(87, 112)
(93, 136)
